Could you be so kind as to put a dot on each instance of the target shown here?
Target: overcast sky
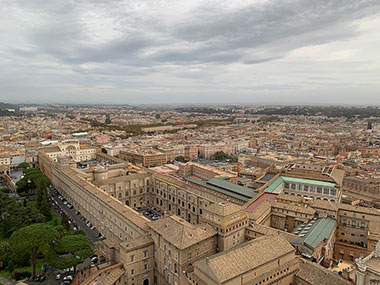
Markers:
(192, 51)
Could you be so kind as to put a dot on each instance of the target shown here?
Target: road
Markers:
(91, 234)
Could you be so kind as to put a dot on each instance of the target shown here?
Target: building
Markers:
(368, 268)
(266, 260)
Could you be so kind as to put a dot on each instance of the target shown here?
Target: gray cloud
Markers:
(248, 46)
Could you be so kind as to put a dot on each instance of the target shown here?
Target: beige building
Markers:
(368, 268)
(266, 260)
(178, 245)
(71, 148)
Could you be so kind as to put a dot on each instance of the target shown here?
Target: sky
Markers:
(190, 52)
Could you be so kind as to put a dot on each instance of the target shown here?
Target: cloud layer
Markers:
(166, 51)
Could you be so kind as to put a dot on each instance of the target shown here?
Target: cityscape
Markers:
(161, 142)
(192, 195)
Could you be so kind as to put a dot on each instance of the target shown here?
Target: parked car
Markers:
(58, 276)
(94, 259)
(68, 278)
(42, 278)
(77, 212)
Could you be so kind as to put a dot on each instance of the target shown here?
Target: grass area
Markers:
(32, 203)
(4, 273)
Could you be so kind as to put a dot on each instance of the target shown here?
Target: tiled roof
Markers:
(224, 209)
(266, 230)
(238, 260)
(315, 274)
(181, 233)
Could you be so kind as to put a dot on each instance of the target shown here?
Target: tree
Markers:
(65, 222)
(23, 165)
(14, 216)
(32, 239)
(5, 254)
(42, 198)
(70, 251)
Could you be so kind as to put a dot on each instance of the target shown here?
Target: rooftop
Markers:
(240, 259)
(314, 232)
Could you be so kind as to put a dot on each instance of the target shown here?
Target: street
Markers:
(79, 221)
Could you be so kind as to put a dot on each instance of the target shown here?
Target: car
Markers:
(72, 269)
(70, 206)
(155, 217)
(65, 203)
(92, 228)
(67, 282)
(68, 278)
(94, 255)
(94, 260)
(58, 276)
(42, 278)
(77, 212)
(32, 278)
(82, 218)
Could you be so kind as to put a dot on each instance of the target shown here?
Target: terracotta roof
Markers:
(316, 274)
(241, 259)
(266, 230)
(224, 209)
(358, 209)
(181, 233)
(290, 207)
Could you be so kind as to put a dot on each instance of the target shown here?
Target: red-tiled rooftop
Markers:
(262, 198)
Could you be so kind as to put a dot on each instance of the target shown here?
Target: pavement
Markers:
(74, 218)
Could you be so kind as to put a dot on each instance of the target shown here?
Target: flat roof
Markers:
(273, 186)
(308, 181)
(222, 183)
(267, 177)
(218, 189)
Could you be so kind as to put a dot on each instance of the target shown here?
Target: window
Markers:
(353, 223)
(319, 190)
(145, 253)
(362, 224)
(333, 192)
(286, 185)
(132, 271)
(132, 258)
(326, 191)
(306, 188)
(145, 266)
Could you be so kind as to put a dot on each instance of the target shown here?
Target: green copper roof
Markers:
(313, 233)
(308, 181)
(273, 186)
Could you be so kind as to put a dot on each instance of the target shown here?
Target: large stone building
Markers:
(204, 228)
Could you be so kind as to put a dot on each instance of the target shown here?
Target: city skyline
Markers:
(268, 52)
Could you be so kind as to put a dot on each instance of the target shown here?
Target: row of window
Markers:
(311, 189)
